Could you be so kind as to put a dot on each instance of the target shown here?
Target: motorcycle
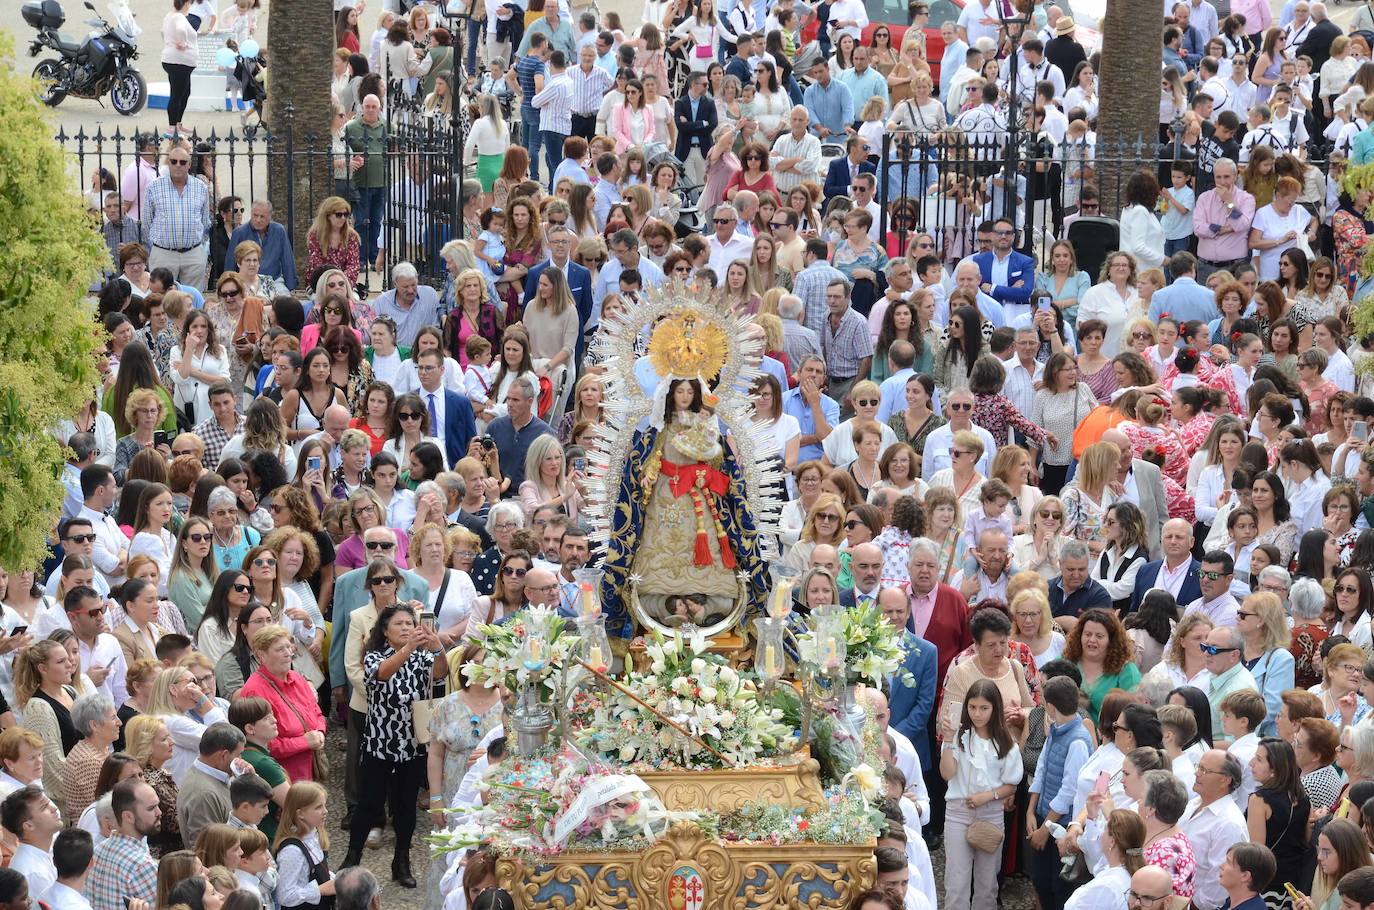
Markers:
(89, 69)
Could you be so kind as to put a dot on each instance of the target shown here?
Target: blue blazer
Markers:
(459, 425)
(837, 178)
(1020, 268)
(911, 706)
(1145, 580)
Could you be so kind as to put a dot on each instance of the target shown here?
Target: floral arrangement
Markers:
(848, 817)
(873, 647)
(696, 690)
(523, 649)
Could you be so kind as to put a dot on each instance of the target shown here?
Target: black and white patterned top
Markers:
(390, 733)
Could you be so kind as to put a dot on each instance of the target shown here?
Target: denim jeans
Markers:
(530, 137)
(371, 210)
(553, 151)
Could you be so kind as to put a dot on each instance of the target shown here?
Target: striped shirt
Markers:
(555, 105)
(177, 219)
(589, 89)
(526, 68)
(808, 148)
(810, 285)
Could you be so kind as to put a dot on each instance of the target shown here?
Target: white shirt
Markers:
(978, 769)
(1020, 382)
(737, 247)
(971, 21)
(106, 652)
(1339, 370)
(1305, 502)
(60, 897)
(839, 445)
(1107, 758)
(1101, 301)
(37, 867)
(935, 457)
(436, 426)
(159, 547)
(849, 9)
(110, 542)
(1244, 749)
(1171, 580)
(1212, 830)
(1107, 891)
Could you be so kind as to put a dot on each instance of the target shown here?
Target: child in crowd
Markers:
(1177, 200)
(256, 871)
(477, 377)
(490, 246)
(994, 498)
(1241, 714)
(302, 847)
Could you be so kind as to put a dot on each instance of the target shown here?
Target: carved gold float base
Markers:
(685, 871)
(797, 785)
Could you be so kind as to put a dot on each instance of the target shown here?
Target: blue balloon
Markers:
(249, 48)
(224, 57)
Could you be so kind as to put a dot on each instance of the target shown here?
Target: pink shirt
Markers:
(1210, 210)
(922, 608)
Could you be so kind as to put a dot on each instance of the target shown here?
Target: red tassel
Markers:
(702, 556)
(727, 555)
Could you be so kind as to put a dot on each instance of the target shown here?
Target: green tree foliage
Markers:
(48, 336)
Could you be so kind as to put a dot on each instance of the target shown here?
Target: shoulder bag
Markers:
(422, 709)
(319, 758)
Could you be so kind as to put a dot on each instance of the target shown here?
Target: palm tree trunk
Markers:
(1128, 76)
(300, 47)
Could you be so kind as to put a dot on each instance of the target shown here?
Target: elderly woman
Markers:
(1315, 740)
(1307, 604)
(233, 538)
(93, 716)
(1165, 845)
(839, 447)
(991, 630)
(1264, 626)
(150, 743)
(145, 413)
(1100, 647)
(300, 725)
(963, 476)
(1340, 692)
(503, 520)
(1038, 548)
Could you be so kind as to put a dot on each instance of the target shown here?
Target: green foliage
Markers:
(48, 337)
(1359, 178)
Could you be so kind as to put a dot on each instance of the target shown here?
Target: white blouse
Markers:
(159, 547)
(978, 769)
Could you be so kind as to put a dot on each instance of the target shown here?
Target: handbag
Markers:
(1076, 873)
(706, 49)
(319, 758)
(422, 709)
(984, 836)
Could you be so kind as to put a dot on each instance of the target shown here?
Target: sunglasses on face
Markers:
(1346, 589)
(1212, 576)
(868, 402)
(380, 545)
(1213, 650)
(384, 580)
(960, 406)
(200, 538)
(265, 562)
(407, 415)
(177, 453)
(242, 588)
(228, 293)
(82, 538)
(724, 220)
(1053, 516)
(513, 572)
(238, 210)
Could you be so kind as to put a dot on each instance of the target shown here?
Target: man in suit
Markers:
(866, 565)
(450, 414)
(203, 794)
(695, 115)
(1007, 276)
(840, 177)
(1317, 45)
(1142, 485)
(561, 240)
(1177, 572)
(911, 706)
(350, 594)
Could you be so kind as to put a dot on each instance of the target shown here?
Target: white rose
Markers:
(727, 675)
(727, 718)
(627, 753)
(698, 666)
(708, 693)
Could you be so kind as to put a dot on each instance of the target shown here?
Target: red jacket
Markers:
(289, 748)
(948, 631)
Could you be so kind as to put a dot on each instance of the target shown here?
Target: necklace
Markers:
(872, 479)
(226, 541)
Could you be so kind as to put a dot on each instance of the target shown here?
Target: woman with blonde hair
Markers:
(1033, 625)
(587, 405)
(765, 273)
(1183, 662)
(823, 525)
(547, 482)
(43, 692)
(458, 724)
(1263, 624)
(487, 143)
(332, 240)
(1089, 494)
(1037, 549)
(1012, 465)
(187, 711)
(451, 592)
(146, 738)
(472, 314)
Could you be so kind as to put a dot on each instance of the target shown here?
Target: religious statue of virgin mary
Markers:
(678, 471)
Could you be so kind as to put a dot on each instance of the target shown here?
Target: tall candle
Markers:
(595, 658)
(770, 661)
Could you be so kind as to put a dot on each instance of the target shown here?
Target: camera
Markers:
(487, 443)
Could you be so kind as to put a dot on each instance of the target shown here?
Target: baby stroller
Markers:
(248, 71)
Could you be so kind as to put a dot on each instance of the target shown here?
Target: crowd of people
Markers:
(1124, 518)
